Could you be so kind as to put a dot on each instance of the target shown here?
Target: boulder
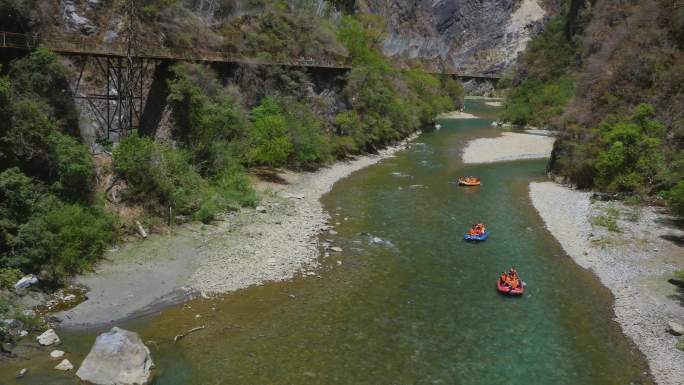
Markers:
(117, 357)
(56, 354)
(260, 209)
(336, 249)
(65, 365)
(675, 328)
(12, 323)
(75, 22)
(49, 337)
(25, 282)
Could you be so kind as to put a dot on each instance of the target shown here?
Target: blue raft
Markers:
(482, 237)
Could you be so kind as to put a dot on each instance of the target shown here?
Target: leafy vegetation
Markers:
(545, 84)
(614, 95)
(50, 219)
(385, 104)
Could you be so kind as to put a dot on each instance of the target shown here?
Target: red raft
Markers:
(505, 289)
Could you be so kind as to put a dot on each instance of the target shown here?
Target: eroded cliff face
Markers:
(475, 37)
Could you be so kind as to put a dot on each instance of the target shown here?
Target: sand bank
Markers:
(508, 146)
(456, 115)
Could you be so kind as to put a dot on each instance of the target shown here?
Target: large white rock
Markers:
(25, 282)
(118, 357)
(48, 338)
(57, 354)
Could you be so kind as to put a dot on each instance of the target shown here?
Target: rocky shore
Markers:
(279, 240)
(633, 250)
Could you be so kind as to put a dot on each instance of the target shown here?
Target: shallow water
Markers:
(422, 309)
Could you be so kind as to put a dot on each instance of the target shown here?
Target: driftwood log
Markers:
(179, 337)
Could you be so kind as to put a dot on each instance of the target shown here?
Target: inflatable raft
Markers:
(469, 181)
(479, 237)
(504, 289)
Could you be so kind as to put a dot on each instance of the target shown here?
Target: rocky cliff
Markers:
(472, 37)
(465, 36)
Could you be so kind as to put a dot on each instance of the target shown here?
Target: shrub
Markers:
(675, 199)
(74, 169)
(631, 156)
(42, 75)
(8, 277)
(234, 186)
(606, 221)
(310, 145)
(20, 198)
(158, 176)
(66, 239)
(269, 142)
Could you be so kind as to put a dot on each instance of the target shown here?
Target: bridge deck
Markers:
(89, 47)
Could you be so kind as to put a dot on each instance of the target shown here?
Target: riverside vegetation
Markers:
(54, 220)
(620, 131)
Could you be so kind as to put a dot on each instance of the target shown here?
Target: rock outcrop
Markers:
(118, 357)
(468, 37)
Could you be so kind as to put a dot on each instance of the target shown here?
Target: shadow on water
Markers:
(420, 310)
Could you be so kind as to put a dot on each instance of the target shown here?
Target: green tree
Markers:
(269, 141)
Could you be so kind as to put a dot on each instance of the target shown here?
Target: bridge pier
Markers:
(118, 104)
(155, 103)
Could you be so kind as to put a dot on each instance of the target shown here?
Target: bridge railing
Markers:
(17, 40)
(89, 46)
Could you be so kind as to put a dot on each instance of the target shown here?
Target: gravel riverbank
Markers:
(281, 241)
(508, 146)
(274, 242)
(633, 260)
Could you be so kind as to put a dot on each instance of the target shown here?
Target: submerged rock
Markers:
(21, 373)
(49, 337)
(117, 357)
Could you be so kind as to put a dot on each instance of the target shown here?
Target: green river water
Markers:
(423, 310)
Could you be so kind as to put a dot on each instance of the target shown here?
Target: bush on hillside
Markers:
(310, 142)
(42, 75)
(535, 102)
(158, 176)
(65, 239)
(268, 139)
(75, 169)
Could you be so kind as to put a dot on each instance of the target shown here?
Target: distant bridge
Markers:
(124, 69)
(82, 46)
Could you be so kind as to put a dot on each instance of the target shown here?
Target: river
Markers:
(421, 309)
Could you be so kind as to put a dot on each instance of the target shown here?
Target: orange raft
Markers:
(469, 181)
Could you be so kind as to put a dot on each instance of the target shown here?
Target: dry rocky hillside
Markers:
(464, 36)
